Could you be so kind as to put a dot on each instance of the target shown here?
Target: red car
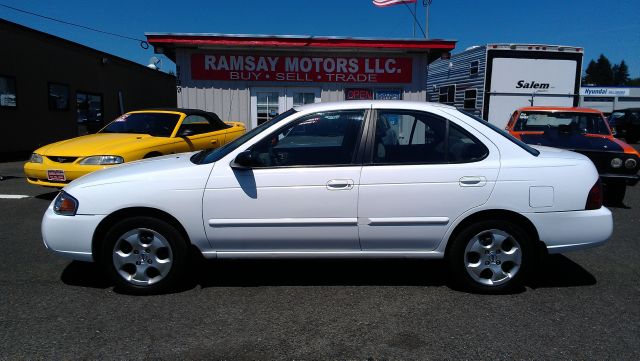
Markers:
(585, 131)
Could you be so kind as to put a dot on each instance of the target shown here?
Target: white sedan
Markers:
(352, 179)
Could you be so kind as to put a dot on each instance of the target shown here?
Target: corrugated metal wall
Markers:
(441, 74)
(231, 99)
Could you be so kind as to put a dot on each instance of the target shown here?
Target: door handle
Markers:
(473, 181)
(215, 141)
(339, 184)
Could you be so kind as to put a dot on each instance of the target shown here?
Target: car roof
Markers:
(559, 109)
(359, 104)
(186, 111)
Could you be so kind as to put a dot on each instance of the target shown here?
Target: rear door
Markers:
(424, 171)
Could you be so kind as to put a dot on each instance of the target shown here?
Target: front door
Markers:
(424, 172)
(302, 194)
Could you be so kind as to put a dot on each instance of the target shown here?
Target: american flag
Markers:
(384, 3)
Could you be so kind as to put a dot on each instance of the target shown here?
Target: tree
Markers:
(620, 73)
(601, 73)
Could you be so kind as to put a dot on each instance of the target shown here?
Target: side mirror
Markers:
(244, 160)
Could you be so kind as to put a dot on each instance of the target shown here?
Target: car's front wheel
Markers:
(490, 256)
(144, 255)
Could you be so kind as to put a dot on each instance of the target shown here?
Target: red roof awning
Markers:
(170, 41)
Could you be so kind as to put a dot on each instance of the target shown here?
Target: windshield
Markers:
(154, 124)
(213, 155)
(515, 140)
(590, 123)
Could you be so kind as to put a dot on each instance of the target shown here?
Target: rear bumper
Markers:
(571, 231)
(630, 179)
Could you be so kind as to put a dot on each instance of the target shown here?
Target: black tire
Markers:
(458, 258)
(175, 250)
(614, 192)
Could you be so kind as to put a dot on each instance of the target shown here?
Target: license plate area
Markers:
(56, 175)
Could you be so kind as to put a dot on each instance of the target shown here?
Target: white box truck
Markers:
(494, 80)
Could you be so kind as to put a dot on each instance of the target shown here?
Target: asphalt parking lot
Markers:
(583, 305)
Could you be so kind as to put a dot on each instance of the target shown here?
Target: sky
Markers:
(609, 27)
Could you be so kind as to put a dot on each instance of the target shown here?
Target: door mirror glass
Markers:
(244, 160)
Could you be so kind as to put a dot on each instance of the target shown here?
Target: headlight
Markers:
(616, 162)
(35, 158)
(65, 204)
(630, 163)
(102, 160)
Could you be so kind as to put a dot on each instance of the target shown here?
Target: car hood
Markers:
(92, 144)
(159, 169)
(574, 141)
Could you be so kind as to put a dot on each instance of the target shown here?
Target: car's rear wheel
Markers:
(144, 255)
(490, 256)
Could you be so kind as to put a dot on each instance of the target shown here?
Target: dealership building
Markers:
(252, 78)
(53, 89)
(608, 99)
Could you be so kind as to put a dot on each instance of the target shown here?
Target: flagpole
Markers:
(427, 4)
(415, 9)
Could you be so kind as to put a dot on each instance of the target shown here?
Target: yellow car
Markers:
(132, 136)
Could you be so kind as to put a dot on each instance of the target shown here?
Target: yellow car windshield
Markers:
(154, 124)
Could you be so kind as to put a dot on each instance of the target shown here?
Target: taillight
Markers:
(594, 199)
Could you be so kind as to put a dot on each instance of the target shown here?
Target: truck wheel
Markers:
(490, 256)
(614, 192)
(144, 255)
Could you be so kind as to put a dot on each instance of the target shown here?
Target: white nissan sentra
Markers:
(352, 179)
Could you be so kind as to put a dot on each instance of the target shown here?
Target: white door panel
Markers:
(410, 207)
(269, 209)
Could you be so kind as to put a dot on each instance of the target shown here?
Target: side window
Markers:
(406, 137)
(327, 138)
(7, 92)
(462, 147)
(195, 124)
(473, 68)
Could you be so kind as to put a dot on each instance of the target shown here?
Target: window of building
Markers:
(629, 99)
(302, 98)
(598, 99)
(447, 94)
(409, 137)
(89, 108)
(8, 92)
(319, 139)
(470, 96)
(473, 67)
(58, 96)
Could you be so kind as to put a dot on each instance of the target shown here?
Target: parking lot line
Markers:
(13, 196)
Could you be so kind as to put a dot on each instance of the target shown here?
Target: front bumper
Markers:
(70, 236)
(629, 179)
(575, 230)
(36, 173)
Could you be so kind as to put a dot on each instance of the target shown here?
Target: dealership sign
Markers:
(301, 68)
(624, 92)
